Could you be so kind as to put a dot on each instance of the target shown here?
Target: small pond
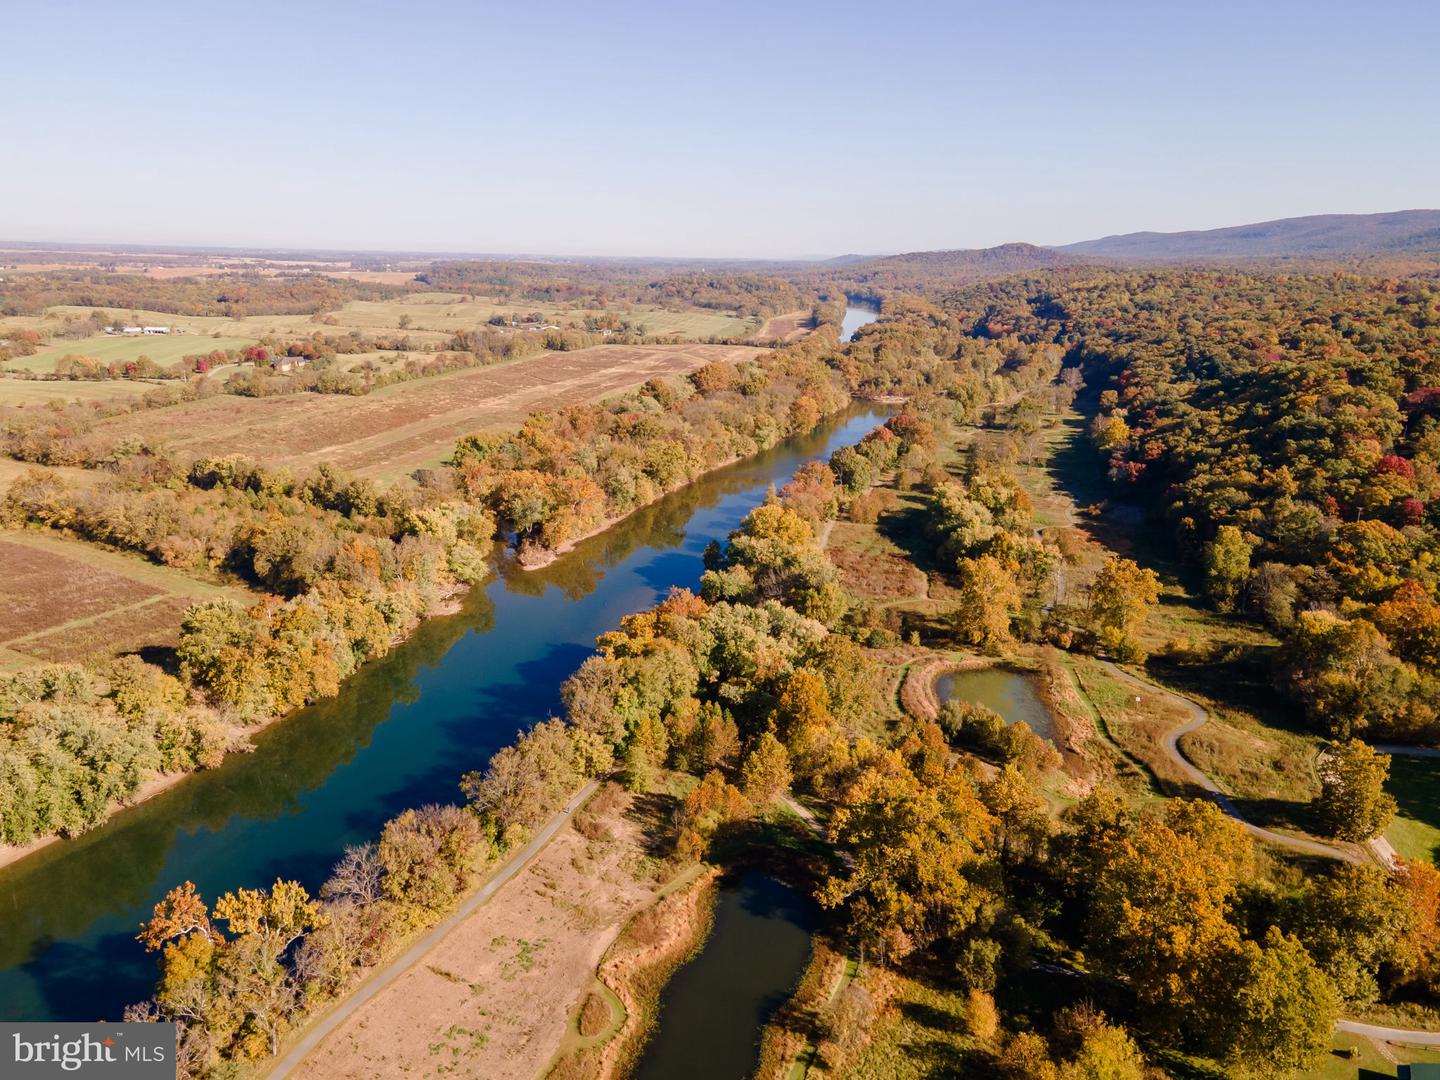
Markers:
(1012, 694)
(713, 1010)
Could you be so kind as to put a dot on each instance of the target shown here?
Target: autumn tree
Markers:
(1120, 598)
(913, 854)
(709, 807)
(989, 598)
(1226, 561)
(765, 777)
(1353, 803)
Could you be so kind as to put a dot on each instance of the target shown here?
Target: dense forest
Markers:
(1285, 428)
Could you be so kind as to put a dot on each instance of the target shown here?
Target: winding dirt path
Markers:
(1202, 780)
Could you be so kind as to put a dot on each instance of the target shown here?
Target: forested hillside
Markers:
(1284, 427)
(1404, 231)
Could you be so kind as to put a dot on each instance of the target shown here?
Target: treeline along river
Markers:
(400, 734)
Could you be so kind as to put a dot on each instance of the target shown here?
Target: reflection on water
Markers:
(1011, 694)
(856, 317)
(713, 1010)
(400, 734)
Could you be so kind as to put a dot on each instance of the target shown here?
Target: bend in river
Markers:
(400, 734)
(856, 316)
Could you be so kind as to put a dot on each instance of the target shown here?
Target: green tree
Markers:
(1226, 560)
(1274, 1010)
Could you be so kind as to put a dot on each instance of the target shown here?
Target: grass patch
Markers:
(118, 349)
(1415, 783)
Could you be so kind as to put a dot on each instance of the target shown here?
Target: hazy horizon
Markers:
(646, 131)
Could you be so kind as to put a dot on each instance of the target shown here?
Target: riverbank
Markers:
(240, 740)
(493, 996)
(537, 558)
(399, 735)
(655, 944)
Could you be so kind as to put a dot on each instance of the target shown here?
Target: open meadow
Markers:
(63, 600)
(400, 428)
(427, 318)
(120, 349)
(43, 391)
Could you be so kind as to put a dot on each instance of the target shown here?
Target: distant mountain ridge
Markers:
(1401, 232)
(945, 267)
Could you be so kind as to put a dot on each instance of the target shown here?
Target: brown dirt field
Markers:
(788, 327)
(400, 428)
(494, 999)
(63, 599)
(40, 589)
(152, 624)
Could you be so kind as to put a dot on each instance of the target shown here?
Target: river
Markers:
(400, 734)
(856, 316)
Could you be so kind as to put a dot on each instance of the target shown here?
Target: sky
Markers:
(779, 129)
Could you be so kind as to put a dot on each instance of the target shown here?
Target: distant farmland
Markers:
(429, 318)
(400, 428)
(106, 348)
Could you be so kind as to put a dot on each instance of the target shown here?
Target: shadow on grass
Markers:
(1280, 814)
(1415, 784)
(655, 812)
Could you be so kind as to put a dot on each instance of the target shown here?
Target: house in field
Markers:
(155, 329)
(132, 329)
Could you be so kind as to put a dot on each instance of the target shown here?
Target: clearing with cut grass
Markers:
(30, 392)
(163, 349)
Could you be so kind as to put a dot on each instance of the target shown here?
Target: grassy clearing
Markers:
(919, 1034)
(39, 392)
(1415, 783)
(117, 349)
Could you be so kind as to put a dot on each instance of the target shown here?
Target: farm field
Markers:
(41, 391)
(788, 327)
(400, 428)
(431, 318)
(107, 348)
(61, 600)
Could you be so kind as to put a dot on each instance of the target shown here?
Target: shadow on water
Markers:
(713, 1010)
(400, 734)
